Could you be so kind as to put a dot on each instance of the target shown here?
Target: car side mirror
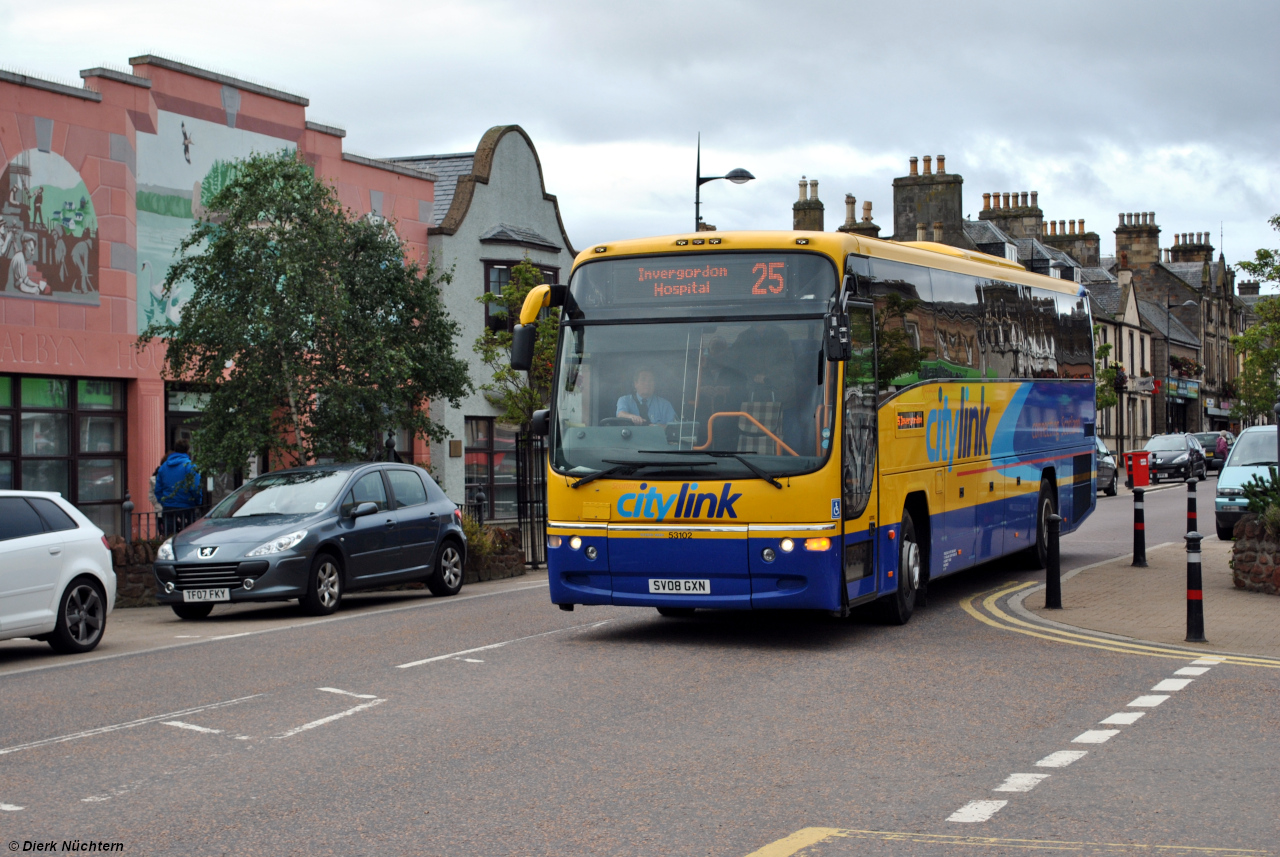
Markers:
(363, 509)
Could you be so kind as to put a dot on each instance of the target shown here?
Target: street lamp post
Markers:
(1168, 314)
(737, 176)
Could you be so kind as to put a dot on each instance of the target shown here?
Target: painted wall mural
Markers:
(184, 163)
(48, 231)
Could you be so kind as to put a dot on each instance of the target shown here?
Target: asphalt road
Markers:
(498, 725)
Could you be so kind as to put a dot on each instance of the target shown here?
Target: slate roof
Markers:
(1191, 273)
(1105, 296)
(985, 232)
(505, 233)
(448, 169)
(1155, 315)
(1089, 276)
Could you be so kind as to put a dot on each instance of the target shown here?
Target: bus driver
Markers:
(643, 407)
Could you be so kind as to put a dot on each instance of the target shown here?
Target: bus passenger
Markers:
(643, 407)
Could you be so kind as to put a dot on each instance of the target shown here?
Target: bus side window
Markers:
(1075, 338)
(903, 298)
(1040, 316)
(957, 315)
(1002, 332)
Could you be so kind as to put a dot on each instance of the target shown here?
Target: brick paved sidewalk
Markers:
(1150, 603)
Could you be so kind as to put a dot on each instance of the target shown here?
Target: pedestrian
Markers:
(178, 489)
(1220, 447)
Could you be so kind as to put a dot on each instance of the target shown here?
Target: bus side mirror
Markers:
(835, 340)
(522, 342)
(540, 423)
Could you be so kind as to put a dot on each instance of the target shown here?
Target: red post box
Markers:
(1138, 468)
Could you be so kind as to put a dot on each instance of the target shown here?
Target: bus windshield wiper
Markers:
(632, 467)
(741, 459)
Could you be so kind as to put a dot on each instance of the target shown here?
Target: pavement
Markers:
(1150, 603)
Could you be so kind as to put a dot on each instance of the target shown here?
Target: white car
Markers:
(56, 580)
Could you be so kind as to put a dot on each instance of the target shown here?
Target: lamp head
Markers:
(739, 176)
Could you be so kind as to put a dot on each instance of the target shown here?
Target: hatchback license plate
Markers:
(679, 587)
(223, 594)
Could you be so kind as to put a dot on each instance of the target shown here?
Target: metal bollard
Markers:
(1191, 505)
(1195, 595)
(127, 514)
(1139, 530)
(1053, 568)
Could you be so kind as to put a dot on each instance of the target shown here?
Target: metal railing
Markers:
(145, 526)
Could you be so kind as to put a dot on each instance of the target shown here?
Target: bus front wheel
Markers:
(898, 607)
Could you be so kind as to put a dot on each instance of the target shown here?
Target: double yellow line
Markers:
(985, 608)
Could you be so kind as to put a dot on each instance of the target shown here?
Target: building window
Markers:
(1142, 350)
(66, 435)
(1144, 418)
(496, 277)
(490, 465)
(1131, 352)
(1119, 348)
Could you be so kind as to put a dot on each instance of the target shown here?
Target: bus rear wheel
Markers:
(1044, 508)
(896, 609)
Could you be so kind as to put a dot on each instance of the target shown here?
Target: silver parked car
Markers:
(1107, 470)
(313, 533)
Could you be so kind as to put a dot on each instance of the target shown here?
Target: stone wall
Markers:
(1255, 558)
(136, 582)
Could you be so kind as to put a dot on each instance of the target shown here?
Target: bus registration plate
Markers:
(679, 587)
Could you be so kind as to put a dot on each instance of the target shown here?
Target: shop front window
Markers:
(68, 436)
(490, 466)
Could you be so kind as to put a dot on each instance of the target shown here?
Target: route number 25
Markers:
(768, 271)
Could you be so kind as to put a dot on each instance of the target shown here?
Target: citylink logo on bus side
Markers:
(960, 432)
(687, 504)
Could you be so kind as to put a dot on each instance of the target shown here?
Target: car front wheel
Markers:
(82, 617)
(324, 586)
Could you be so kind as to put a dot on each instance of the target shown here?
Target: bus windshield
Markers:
(714, 399)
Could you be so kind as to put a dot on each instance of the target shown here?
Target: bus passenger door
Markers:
(859, 458)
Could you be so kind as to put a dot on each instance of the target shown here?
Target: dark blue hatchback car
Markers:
(313, 533)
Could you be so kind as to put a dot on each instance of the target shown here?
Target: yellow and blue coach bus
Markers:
(805, 419)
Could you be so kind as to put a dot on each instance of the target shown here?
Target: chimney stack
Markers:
(808, 213)
(1138, 240)
(1248, 287)
(928, 197)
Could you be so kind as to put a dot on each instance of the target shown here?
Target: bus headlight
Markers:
(787, 545)
(553, 541)
(575, 542)
(820, 544)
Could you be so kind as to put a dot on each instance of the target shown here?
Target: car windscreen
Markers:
(302, 493)
(1253, 449)
(1167, 443)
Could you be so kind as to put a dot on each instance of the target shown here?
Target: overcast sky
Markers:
(1102, 107)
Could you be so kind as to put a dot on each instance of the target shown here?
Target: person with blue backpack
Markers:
(178, 488)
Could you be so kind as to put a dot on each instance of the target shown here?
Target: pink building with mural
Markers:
(99, 185)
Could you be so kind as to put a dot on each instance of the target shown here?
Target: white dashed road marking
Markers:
(8, 807)
(326, 720)
(1062, 758)
(1123, 718)
(348, 693)
(458, 655)
(1173, 684)
(977, 810)
(1020, 782)
(102, 730)
(1147, 701)
(1206, 662)
(1192, 671)
(1095, 736)
(192, 727)
(471, 660)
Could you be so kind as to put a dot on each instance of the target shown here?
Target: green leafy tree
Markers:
(1105, 372)
(1259, 346)
(307, 326)
(1266, 263)
(517, 394)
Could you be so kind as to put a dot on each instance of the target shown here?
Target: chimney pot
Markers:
(919, 231)
(1034, 201)
(1142, 218)
(850, 209)
(1151, 218)
(1082, 226)
(866, 211)
(1073, 227)
(813, 189)
(1006, 200)
(1053, 227)
(937, 231)
(942, 165)
(1062, 227)
(1202, 239)
(995, 200)
(1175, 239)
(1130, 217)
(1024, 199)
(913, 166)
(1122, 220)
(986, 202)
(928, 165)
(804, 189)
(1184, 238)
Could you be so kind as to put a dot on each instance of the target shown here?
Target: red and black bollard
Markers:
(1053, 568)
(1191, 505)
(1195, 594)
(1139, 530)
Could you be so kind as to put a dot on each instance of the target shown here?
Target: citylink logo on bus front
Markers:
(960, 433)
(688, 503)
